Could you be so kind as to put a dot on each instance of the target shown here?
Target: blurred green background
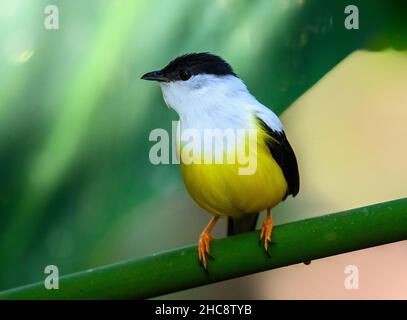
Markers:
(77, 189)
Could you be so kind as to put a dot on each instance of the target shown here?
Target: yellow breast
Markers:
(222, 190)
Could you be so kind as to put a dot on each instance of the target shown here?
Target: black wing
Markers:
(284, 155)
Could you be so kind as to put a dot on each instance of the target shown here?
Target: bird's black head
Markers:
(186, 66)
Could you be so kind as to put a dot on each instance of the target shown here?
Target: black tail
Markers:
(245, 223)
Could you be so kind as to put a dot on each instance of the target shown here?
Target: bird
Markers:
(207, 94)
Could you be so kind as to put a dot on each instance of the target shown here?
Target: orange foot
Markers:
(205, 241)
(204, 248)
(266, 229)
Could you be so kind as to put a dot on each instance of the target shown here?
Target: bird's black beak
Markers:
(155, 76)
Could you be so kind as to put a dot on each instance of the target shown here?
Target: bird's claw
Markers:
(265, 234)
(204, 248)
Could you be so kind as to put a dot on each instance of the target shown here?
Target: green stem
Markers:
(236, 256)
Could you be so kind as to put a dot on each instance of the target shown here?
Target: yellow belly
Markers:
(221, 190)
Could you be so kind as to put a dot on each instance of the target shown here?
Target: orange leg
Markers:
(266, 229)
(204, 242)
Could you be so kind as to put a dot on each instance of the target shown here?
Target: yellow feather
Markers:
(219, 189)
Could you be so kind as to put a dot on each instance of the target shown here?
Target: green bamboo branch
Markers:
(235, 256)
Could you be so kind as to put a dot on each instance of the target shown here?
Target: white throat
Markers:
(209, 102)
(216, 102)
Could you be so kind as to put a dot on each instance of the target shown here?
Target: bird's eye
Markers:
(184, 75)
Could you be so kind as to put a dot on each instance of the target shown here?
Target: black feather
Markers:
(282, 152)
(245, 223)
(197, 63)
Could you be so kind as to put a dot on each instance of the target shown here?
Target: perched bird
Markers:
(207, 94)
